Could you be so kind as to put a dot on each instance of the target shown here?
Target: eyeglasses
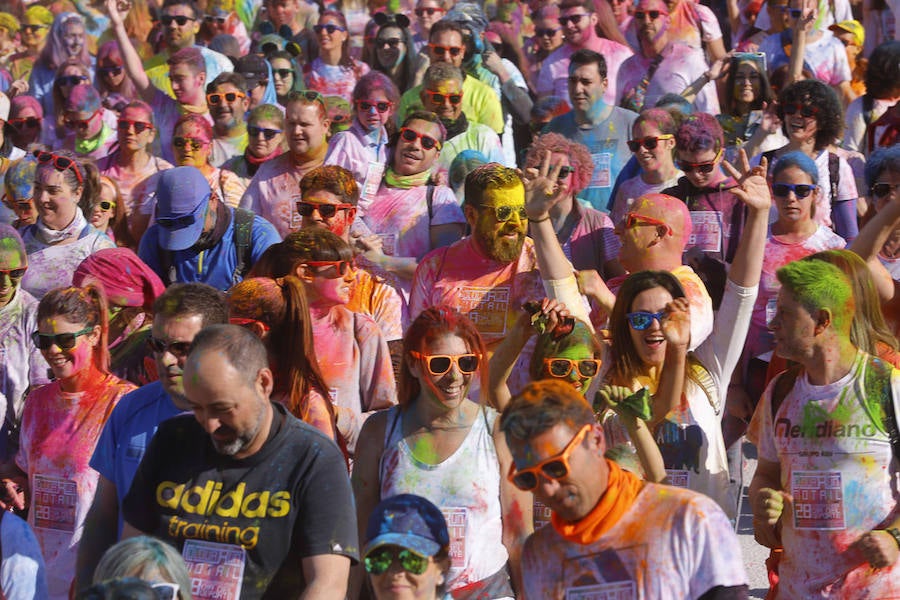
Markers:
(254, 131)
(561, 367)
(411, 135)
(805, 110)
(378, 561)
(701, 167)
(801, 190)
(391, 42)
(329, 27)
(176, 349)
(421, 12)
(64, 341)
(565, 171)
(438, 364)
(33, 28)
(555, 467)
(115, 70)
(182, 142)
(214, 19)
(181, 20)
(439, 98)
(641, 320)
(505, 213)
(215, 99)
(548, 33)
(341, 267)
(81, 123)
(649, 142)
(30, 122)
(633, 220)
(367, 105)
(125, 125)
(453, 51)
(106, 205)
(653, 14)
(326, 211)
(71, 79)
(880, 190)
(60, 163)
(282, 73)
(14, 273)
(573, 19)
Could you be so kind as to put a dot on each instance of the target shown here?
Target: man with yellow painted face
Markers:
(490, 274)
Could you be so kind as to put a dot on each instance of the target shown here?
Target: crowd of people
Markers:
(448, 299)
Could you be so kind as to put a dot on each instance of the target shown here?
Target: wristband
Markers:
(546, 218)
(895, 533)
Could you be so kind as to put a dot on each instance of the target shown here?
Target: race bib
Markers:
(542, 514)
(602, 175)
(771, 307)
(388, 243)
(54, 503)
(216, 570)
(374, 173)
(296, 217)
(679, 477)
(456, 518)
(706, 230)
(818, 500)
(619, 590)
(486, 307)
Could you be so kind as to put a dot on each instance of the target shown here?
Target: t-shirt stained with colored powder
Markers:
(825, 57)
(361, 153)
(166, 111)
(592, 241)
(334, 80)
(374, 296)
(553, 79)
(689, 22)
(274, 191)
(837, 463)
(59, 433)
(777, 254)
(634, 188)
(51, 267)
(135, 186)
(670, 543)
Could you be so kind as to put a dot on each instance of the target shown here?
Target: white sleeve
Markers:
(855, 134)
(566, 291)
(720, 352)
(22, 572)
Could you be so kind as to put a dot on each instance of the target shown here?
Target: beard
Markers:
(502, 249)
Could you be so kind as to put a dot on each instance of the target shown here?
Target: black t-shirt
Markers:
(290, 500)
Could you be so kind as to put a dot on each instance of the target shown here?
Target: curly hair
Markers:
(883, 72)
(579, 157)
(765, 87)
(829, 114)
(331, 178)
(372, 82)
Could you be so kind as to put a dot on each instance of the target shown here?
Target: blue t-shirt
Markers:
(127, 434)
(214, 266)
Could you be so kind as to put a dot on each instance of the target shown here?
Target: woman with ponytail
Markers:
(62, 422)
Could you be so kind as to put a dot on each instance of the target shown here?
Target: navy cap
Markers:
(182, 195)
(407, 521)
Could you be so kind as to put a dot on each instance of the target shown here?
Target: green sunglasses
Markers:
(380, 560)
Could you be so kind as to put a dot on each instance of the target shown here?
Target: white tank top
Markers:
(465, 486)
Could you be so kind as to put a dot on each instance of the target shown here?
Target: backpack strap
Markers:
(243, 231)
(834, 176)
(429, 201)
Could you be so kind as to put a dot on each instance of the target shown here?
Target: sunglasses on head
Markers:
(182, 142)
(176, 349)
(60, 163)
(71, 79)
(282, 73)
(649, 142)
(573, 19)
(421, 12)
(329, 27)
(367, 105)
(411, 135)
(14, 273)
(255, 131)
(634, 219)
(505, 213)
(439, 98)
(326, 211)
(341, 267)
(548, 33)
(801, 190)
(64, 341)
(216, 98)
(390, 42)
(453, 51)
(30, 122)
(378, 561)
(880, 190)
(214, 19)
(139, 126)
(181, 20)
(439, 364)
(701, 167)
(81, 123)
(555, 467)
(641, 320)
(643, 14)
(561, 367)
(805, 110)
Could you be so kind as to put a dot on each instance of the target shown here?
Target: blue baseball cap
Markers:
(182, 195)
(407, 521)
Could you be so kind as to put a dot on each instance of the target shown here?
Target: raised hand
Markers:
(542, 190)
(752, 189)
(114, 9)
(676, 326)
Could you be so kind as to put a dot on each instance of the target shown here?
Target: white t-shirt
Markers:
(826, 57)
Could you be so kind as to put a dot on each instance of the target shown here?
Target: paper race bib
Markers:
(457, 518)
(54, 503)
(388, 243)
(679, 477)
(602, 175)
(374, 173)
(486, 307)
(296, 217)
(216, 570)
(818, 500)
(619, 590)
(771, 307)
(542, 514)
(706, 230)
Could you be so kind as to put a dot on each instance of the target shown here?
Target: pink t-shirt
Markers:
(553, 79)
(58, 436)
(334, 80)
(274, 191)
(134, 186)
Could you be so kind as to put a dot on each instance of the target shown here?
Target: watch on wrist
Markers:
(895, 533)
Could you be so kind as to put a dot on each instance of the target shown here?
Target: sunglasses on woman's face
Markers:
(115, 70)
(64, 341)
(326, 211)
(705, 167)
(254, 132)
(106, 205)
(439, 364)
(561, 367)
(81, 123)
(411, 135)
(282, 73)
(649, 142)
(71, 80)
(641, 320)
(27, 122)
(801, 190)
(14, 273)
(378, 561)
(182, 142)
(390, 42)
(341, 267)
(329, 27)
(555, 467)
(367, 105)
(565, 171)
(880, 190)
(547, 33)
(125, 125)
(805, 110)
(60, 163)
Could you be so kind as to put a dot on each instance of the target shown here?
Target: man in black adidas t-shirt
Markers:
(243, 479)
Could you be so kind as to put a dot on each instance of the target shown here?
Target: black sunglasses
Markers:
(802, 190)
(116, 70)
(282, 73)
(565, 171)
(573, 19)
(705, 167)
(71, 79)
(549, 33)
(392, 42)
(805, 110)
(326, 211)
(254, 131)
(177, 349)
(33, 28)
(653, 14)
(182, 142)
(65, 341)
(181, 20)
(880, 190)
(650, 142)
(329, 27)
